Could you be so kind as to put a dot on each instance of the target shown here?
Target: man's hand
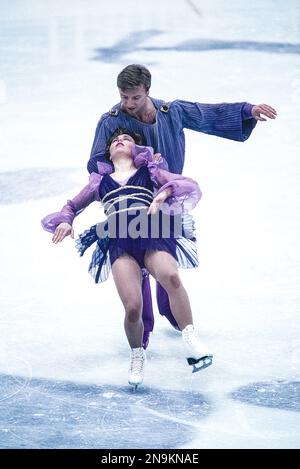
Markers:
(62, 230)
(158, 201)
(265, 110)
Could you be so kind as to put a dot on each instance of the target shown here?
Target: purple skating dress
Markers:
(128, 229)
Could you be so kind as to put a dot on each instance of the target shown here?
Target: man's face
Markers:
(133, 100)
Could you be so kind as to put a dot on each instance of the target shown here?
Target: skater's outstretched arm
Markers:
(234, 121)
(60, 223)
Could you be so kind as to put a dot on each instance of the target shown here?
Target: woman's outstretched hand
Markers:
(62, 230)
(158, 201)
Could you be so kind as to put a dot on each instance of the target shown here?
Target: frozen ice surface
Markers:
(63, 353)
(45, 414)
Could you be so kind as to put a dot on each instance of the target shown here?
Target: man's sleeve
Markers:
(102, 135)
(227, 120)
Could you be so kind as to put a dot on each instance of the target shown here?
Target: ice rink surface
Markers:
(63, 352)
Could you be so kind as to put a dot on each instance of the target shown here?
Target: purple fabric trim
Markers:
(185, 195)
(143, 155)
(246, 111)
(163, 304)
(148, 316)
(51, 221)
(104, 168)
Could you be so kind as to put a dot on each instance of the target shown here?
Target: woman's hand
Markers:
(157, 157)
(62, 230)
(158, 201)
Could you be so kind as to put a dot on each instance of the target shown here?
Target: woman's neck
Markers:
(124, 165)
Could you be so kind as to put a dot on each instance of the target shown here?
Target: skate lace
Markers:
(190, 337)
(137, 362)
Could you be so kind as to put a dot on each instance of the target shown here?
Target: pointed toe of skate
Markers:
(198, 354)
(137, 367)
(134, 386)
(135, 381)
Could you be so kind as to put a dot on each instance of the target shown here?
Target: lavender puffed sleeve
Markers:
(144, 156)
(186, 192)
(73, 207)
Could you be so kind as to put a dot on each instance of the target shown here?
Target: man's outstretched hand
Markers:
(265, 110)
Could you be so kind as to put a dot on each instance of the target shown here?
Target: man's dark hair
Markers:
(138, 138)
(132, 76)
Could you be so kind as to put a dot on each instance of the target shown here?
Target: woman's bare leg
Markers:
(162, 266)
(128, 280)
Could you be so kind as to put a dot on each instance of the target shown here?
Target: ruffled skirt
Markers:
(182, 248)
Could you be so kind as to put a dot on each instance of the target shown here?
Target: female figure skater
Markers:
(147, 230)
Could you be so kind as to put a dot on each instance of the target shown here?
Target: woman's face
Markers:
(122, 144)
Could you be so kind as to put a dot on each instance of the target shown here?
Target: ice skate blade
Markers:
(200, 363)
(134, 387)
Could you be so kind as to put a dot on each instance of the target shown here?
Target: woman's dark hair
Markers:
(138, 138)
(132, 76)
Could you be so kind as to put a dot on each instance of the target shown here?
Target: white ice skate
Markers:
(197, 353)
(137, 367)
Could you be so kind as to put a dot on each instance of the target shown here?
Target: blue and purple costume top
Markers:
(166, 135)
